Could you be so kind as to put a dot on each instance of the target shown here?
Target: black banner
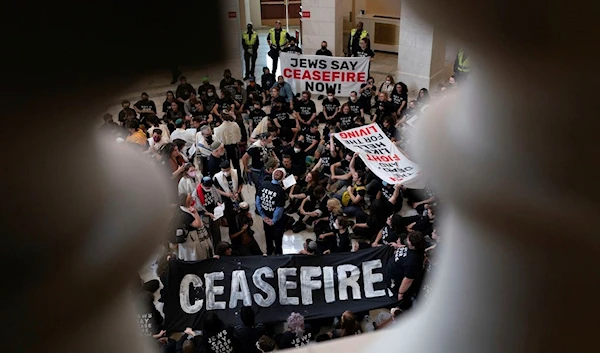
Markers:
(275, 286)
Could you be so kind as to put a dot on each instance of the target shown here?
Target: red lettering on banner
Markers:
(287, 73)
(350, 76)
(306, 75)
(380, 158)
(358, 133)
(335, 75)
(297, 74)
(326, 76)
(362, 77)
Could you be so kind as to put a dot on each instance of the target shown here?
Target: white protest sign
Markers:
(317, 74)
(382, 156)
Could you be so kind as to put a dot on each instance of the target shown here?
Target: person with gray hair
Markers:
(298, 333)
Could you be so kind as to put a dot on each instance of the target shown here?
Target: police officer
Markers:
(278, 39)
(270, 203)
(356, 34)
(250, 45)
(461, 65)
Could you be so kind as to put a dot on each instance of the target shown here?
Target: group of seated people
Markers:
(210, 147)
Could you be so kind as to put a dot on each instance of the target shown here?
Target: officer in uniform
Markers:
(278, 39)
(270, 203)
(462, 65)
(250, 45)
(356, 34)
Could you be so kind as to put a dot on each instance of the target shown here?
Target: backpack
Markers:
(346, 199)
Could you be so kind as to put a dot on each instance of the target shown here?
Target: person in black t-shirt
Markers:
(331, 107)
(257, 114)
(227, 83)
(292, 47)
(393, 232)
(367, 91)
(286, 123)
(270, 203)
(297, 335)
(126, 113)
(405, 267)
(249, 332)
(324, 51)
(345, 119)
(167, 103)
(144, 106)
(305, 110)
(310, 139)
(217, 338)
(341, 232)
(203, 88)
(356, 107)
(240, 231)
(327, 159)
(239, 95)
(256, 90)
(392, 195)
(383, 108)
(388, 128)
(365, 49)
(184, 90)
(224, 102)
(267, 80)
(399, 98)
(210, 99)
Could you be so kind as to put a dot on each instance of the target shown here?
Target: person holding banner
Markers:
(406, 267)
(278, 39)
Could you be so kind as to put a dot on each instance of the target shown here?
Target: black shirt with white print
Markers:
(405, 263)
(305, 109)
(346, 121)
(362, 53)
(398, 98)
(309, 137)
(327, 160)
(257, 115)
(355, 107)
(221, 342)
(330, 106)
(271, 197)
(282, 114)
(259, 155)
(292, 340)
(145, 105)
(388, 235)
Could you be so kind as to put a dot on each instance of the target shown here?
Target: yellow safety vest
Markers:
(363, 34)
(282, 37)
(463, 63)
(250, 40)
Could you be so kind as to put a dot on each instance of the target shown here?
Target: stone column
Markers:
(324, 24)
(232, 35)
(421, 52)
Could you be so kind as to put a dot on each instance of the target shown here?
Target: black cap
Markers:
(225, 164)
(207, 181)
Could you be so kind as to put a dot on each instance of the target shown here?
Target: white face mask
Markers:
(353, 99)
(388, 82)
(210, 94)
(330, 98)
(297, 150)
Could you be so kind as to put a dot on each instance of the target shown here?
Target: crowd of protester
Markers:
(212, 142)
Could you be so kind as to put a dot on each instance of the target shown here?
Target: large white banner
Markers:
(382, 156)
(317, 74)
